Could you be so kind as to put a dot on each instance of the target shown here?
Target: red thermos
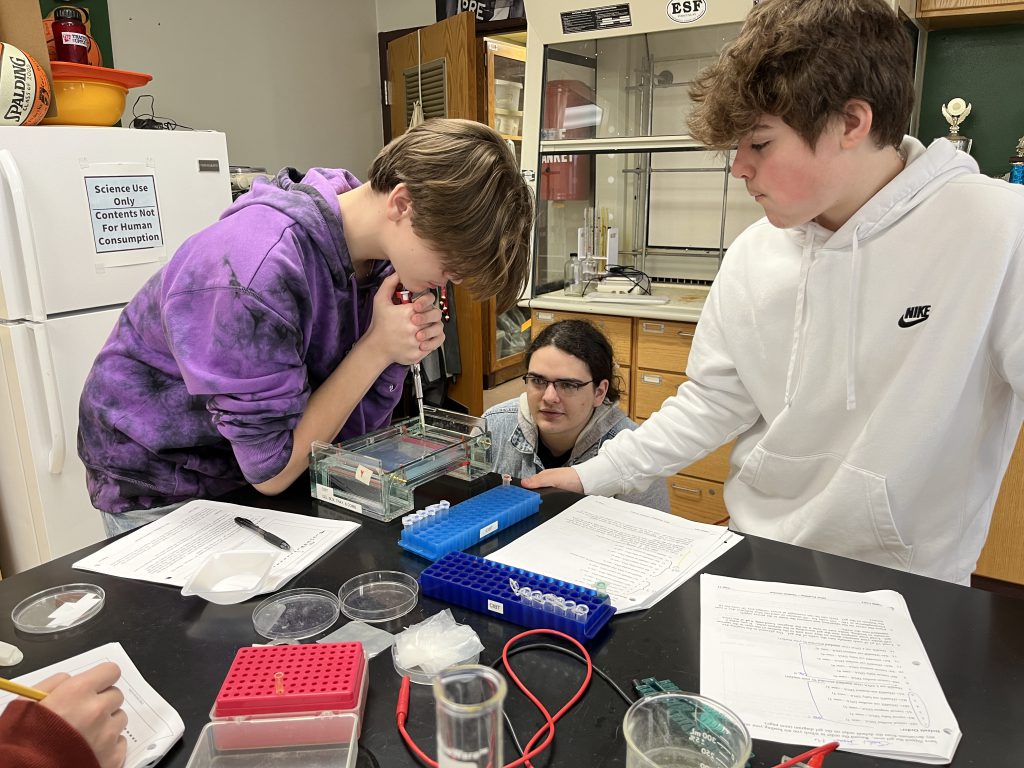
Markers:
(70, 41)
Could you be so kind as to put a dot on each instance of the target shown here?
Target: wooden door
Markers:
(1003, 555)
(454, 40)
(504, 62)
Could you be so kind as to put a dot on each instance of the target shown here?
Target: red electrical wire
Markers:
(402, 707)
(814, 757)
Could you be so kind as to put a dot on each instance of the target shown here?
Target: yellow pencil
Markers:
(21, 690)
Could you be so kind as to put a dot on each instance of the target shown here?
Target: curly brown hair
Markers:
(802, 61)
(468, 200)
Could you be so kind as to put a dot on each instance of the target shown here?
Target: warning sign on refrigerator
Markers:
(124, 213)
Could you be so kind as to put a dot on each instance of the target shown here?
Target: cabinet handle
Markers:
(649, 379)
(694, 491)
(652, 327)
(545, 315)
(684, 334)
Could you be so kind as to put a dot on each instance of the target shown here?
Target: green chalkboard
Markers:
(99, 21)
(985, 67)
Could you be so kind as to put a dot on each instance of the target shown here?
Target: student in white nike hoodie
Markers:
(864, 343)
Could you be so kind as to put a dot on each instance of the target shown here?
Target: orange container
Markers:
(88, 95)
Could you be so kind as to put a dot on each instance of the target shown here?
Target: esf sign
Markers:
(685, 11)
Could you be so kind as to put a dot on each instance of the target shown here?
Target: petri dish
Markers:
(58, 608)
(416, 673)
(295, 614)
(378, 596)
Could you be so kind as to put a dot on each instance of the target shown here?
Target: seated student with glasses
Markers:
(568, 410)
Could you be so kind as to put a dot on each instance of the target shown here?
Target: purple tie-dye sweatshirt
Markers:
(210, 366)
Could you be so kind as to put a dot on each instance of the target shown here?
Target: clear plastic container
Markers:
(506, 94)
(573, 276)
(469, 701)
(376, 474)
(509, 125)
(327, 740)
(231, 577)
(58, 608)
(417, 675)
(378, 596)
(296, 614)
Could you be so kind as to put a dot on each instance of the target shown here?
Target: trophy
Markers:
(1017, 164)
(955, 112)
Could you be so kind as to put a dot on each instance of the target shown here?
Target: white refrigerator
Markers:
(87, 215)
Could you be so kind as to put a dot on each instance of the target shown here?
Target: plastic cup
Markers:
(469, 700)
(682, 730)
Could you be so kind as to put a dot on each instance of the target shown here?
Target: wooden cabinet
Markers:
(697, 499)
(1003, 556)
(965, 13)
(662, 351)
(618, 331)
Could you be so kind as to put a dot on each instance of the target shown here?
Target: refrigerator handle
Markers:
(26, 236)
(54, 416)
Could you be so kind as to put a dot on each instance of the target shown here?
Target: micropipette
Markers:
(405, 297)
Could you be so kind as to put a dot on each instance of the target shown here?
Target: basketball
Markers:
(24, 90)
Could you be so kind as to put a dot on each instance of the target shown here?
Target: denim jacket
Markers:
(514, 440)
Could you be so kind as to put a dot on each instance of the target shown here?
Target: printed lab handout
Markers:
(170, 549)
(810, 665)
(153, 724)
(638, 554)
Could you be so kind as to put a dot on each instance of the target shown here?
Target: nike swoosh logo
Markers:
(904, 323)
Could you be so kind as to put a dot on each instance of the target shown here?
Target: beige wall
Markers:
(290, 83)
(401, 14)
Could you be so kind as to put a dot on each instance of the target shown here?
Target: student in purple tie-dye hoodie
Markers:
(275, 326)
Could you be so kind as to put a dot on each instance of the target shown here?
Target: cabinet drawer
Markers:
(650, 388)
(714, 466)
(663, 346)
(698, 500)
(619, 330)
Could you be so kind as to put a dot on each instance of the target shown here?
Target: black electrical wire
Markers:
(635, 276)
(551, 647)
(149, 120)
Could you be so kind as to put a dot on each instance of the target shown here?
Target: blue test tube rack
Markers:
(467, 523)
(521, 597)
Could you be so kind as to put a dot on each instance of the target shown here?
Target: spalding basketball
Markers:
(24, 90)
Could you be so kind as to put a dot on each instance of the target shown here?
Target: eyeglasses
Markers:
(562, 386)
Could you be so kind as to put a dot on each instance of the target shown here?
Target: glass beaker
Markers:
(682, 730)
(469, 700)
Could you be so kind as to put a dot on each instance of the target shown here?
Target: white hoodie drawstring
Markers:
(851, 327)
(798, 318)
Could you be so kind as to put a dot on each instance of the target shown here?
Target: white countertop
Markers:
(685, 304)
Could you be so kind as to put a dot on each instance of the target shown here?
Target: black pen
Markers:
(277, 541)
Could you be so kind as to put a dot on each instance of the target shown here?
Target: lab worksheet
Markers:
(153, 724)
(168, 550)
(810, 665)
(634, 553)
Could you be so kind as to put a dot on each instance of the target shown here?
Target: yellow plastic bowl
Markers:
(87, 102)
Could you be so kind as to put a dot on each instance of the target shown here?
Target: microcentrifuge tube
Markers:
(581, 612)
(279, 683)
(506, 479)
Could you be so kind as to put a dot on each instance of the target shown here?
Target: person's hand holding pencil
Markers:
(90, 703)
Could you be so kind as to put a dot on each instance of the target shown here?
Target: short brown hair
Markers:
(801, 61)
(468, 200)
